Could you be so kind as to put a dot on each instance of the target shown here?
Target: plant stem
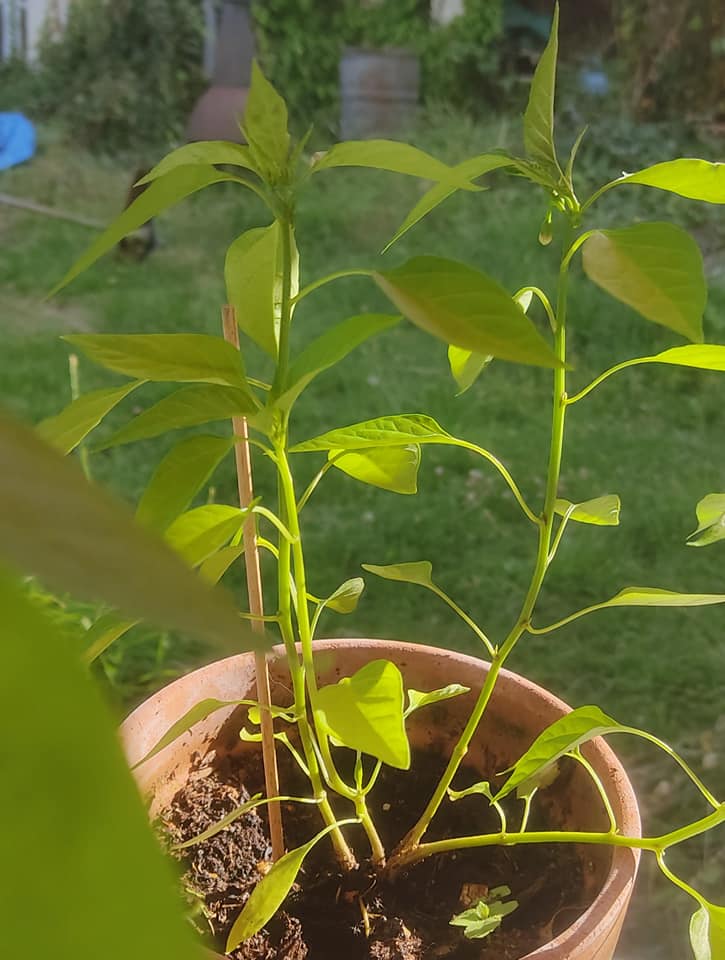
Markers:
(287, 238)
(406, 850)
(337, 275)
(577, 755)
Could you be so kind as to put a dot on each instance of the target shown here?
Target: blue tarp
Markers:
(17, 139)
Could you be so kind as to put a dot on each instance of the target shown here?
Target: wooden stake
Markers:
(33, 207)
(256, 603)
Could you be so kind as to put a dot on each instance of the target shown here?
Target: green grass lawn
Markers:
(653, 435)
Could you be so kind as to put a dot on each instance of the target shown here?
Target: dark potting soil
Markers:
(326, 914)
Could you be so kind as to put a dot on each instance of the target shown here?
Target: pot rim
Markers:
(616, 890)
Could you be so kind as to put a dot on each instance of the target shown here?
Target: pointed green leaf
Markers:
(539, 116)
(254, 285)
(390, 468)
(265, 127)
(365, 712)
(215, 566)
(162, 194)
(419, 572)
(94, 839)
(656, 268)
(560, 738)
(469, 169)
(710, 521)
(199, 533)
(268, 896)
(417, 699)
(464, 307)
(466, 366)
(76, 538)
(396, 431)
(573, 153)
(205, 153)
(105, 631)
(654, 597)
(188, 407)
(704, 356)
(234, 815)
(178, 478)
(165, 357)
(68, 428)
(395, 157)
(327, 350)
(345, 598)
(687, 177)
(707, 932)
(603, 511)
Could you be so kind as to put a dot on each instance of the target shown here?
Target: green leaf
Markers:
(469, 169)
(656, 268)
(105, 631)
(345, 598)
(464, 307)
(215, 566)
(180, 475)
(704, 356)
(165, 357)
(254, 285)
(654, 597)
(694, 179)
(327, 350)
(419, 572)
(365, 712)
(485, 916)
(560, 738)
(222, 824)
(265, 127)
(200, 711)
(162, 194)
(396, 431)
(390, 468)
(710, 521)
(707, 932)
(466, 366)
(395, 157)
(204, 152)
(269, 894)
(539, 116)
(77, 539)
(482, 788)
(199, 533)
(188, 407)
(71, 426)
(416, 699)
(603, 511)
(94, 839)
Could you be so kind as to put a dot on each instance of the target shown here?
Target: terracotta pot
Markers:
(517, 713)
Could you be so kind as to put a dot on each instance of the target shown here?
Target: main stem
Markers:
(405, 852)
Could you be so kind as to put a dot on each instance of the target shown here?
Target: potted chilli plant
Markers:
(515, 831)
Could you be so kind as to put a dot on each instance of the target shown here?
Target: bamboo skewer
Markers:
(256, 603)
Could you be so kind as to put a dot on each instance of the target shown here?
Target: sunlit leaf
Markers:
(419, 572)
(539, 116)
(67, 429)
(466, 366)
(603, 511)
(654, 597)
(76, 538)
(105, 631)
(162, 194)
(365, 712)
(393, 156)
(417, 699)
(397, 431)
(187, 407)
(695, 179)
(222, 824)
(469, 169)
(203, 153)
(253, 280)
(345, 598)
(180, 475)
(710, 513)
(466, 308)
(560, 738)
(390, 468)
(707, 932)
(327, 350)
(269, 894)
(93, 839)
(164, 357)
(485, 916)
(265, 127)
(656, 268)
(215, 566)
(482, 788)
(199, 533)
